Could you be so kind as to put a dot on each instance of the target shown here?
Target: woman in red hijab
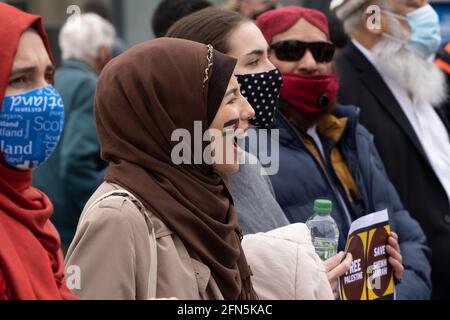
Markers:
(31, 119)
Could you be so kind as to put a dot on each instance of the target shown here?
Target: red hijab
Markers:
(31, 260)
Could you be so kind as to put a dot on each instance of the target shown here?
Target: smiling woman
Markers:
(188, 210)
(237, 110)
(233, 34)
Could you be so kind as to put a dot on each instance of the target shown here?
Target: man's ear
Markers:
(373, 20)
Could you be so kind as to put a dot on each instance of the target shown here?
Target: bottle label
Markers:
(325, 248)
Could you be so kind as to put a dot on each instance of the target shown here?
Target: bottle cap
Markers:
(323, 206)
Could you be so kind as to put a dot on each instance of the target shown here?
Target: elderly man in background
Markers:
(388, 72)
(72, 173)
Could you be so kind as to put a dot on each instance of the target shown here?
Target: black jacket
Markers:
(301, 179)
(406, 163)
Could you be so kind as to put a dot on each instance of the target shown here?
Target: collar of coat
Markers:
(342, 123)
(332, 127)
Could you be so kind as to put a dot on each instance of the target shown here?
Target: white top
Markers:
(429, 128)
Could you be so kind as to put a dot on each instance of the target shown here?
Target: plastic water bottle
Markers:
(324, 231)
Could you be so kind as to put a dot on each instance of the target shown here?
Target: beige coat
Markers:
(285, 265)
(112, 250)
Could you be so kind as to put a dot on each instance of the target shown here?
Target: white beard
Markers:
(421, 78)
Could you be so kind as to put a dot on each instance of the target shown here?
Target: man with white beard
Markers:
(388, 72)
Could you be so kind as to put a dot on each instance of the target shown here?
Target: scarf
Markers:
(142, 97)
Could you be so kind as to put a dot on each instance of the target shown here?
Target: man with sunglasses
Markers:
(325, 154)
(388, 72)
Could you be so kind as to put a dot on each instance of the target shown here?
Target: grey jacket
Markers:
(254, 199)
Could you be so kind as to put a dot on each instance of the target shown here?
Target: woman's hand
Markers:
(336, 267)
(395, 257)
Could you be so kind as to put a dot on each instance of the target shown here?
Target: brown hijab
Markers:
(142, 97)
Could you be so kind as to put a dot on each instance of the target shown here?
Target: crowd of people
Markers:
(95, 173)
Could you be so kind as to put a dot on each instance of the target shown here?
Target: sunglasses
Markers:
(294, 50)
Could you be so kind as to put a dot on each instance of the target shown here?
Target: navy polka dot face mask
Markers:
(262, 91)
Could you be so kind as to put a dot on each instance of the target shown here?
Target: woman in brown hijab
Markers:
(152, 218)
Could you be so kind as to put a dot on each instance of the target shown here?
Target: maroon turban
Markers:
(280, 20)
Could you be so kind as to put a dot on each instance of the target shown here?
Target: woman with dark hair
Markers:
(235, 35)
(31, 260)
(276, 274)
(177, 226)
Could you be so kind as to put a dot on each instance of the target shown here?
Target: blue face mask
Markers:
(425, 36)
(31, 125)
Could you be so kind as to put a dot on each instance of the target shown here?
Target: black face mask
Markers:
(262, 91)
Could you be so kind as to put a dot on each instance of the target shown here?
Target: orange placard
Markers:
(370, 276)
